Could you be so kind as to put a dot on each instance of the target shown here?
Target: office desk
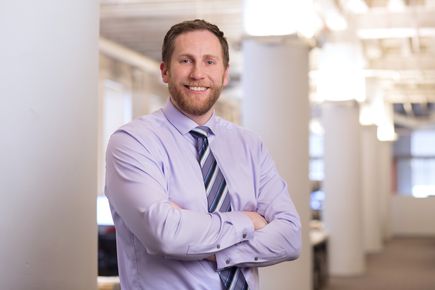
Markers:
(108, 283)
(319, 243)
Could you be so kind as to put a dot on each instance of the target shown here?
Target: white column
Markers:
(342, 186)
(385, 180)
(48, 144)
(275, 105)
(371, 191)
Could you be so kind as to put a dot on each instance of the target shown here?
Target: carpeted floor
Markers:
(404, 264)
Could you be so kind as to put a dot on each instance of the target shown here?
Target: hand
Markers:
(257, 219)
(211, 258)
(174, 205)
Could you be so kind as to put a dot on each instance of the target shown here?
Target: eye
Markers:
(185, 60)
(211, 61)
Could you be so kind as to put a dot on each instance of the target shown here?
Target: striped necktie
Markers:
(218, 199)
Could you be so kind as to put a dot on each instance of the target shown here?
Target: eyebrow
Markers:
(205, 56)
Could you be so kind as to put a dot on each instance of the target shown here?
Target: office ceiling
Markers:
(397, 38)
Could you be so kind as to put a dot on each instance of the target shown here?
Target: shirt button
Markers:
(218, 246)
(244, 236)
(227, 261)
(256, 259)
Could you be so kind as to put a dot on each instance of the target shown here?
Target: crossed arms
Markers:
(136, 190)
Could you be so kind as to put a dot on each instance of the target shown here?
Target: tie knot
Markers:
(199, 132)
(200, 135)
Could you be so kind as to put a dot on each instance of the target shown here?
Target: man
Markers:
(197, 201)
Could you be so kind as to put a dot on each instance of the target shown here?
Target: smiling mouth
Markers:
(197, 88)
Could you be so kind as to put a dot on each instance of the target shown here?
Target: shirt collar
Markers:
(183, 123)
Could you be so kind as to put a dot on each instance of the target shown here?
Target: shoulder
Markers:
(233, 131)
(144, 131)
(144, 125)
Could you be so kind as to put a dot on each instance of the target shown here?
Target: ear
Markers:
(226, 76)
(164, 72)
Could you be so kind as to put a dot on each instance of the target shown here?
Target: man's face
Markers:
(196, 73)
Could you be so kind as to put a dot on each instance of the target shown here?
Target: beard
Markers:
(194, 105)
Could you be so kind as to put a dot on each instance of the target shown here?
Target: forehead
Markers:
(198, 42)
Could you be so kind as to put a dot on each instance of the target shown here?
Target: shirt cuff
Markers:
(244, 232)
(242, 224)
(231, 256)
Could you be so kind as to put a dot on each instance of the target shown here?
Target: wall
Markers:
(412, 216)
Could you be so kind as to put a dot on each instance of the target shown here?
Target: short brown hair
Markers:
(192, 25)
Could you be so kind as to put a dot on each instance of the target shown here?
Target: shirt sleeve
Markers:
(280, 239)
(136, 189)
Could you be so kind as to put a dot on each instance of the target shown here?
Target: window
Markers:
(423, 163)
(117, 108)
(316, 157)
(316, 172)
(116, 111)
(415, 164)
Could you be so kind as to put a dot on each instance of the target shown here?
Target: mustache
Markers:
(198, 85)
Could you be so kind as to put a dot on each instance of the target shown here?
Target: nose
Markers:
(197, 72)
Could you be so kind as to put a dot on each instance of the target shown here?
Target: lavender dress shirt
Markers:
(151, 162)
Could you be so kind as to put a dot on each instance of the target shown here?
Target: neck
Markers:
(198, 119)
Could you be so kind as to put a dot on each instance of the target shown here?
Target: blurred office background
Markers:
(341, 91)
